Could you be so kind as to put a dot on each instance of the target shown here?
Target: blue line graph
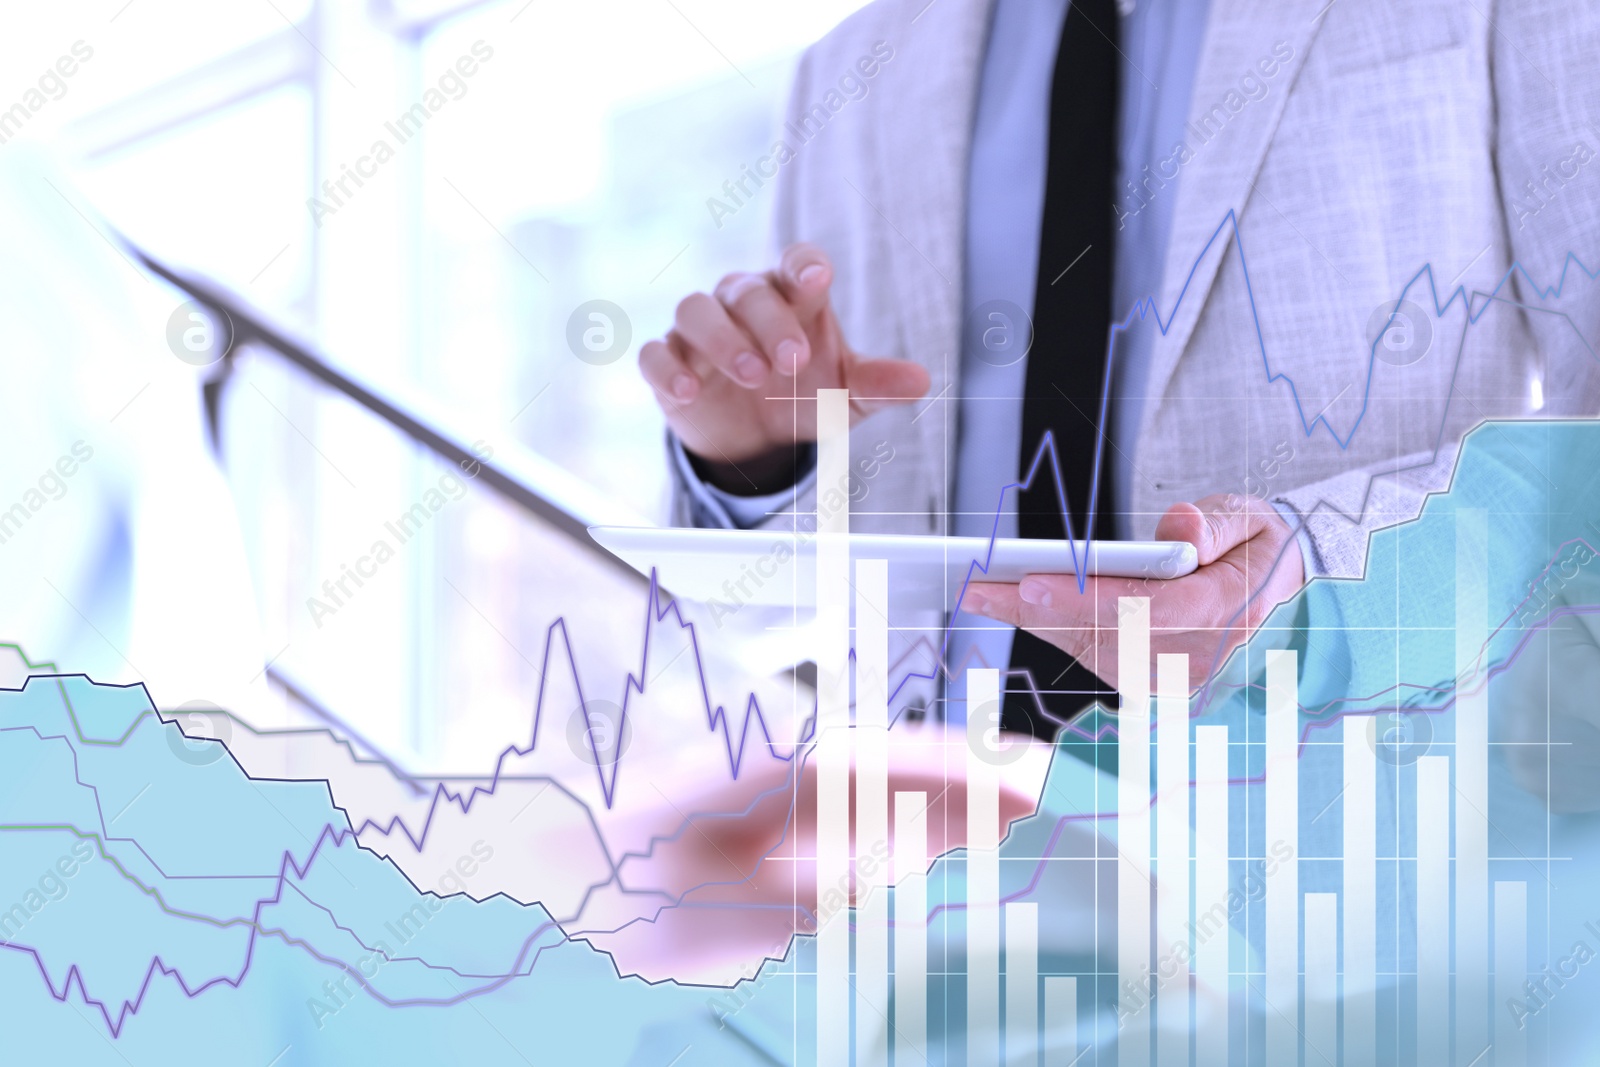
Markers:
(737, 740)
(719, 717)
(1146, 308)
(523, 963)
(68, 980)
(1143, 308)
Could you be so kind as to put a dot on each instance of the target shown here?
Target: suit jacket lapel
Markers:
(918, 186)
(920, 194)
(1229, 146)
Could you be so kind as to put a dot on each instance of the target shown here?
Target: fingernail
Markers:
(749, 368)
(683, 386)
(786, 356)
(974, 603)
(809, 274)
(1033, 592)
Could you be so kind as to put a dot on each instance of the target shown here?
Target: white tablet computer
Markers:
(779, 569)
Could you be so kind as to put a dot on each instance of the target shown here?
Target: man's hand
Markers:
(1544, 708)
(747, 878)
(1248, 566)
(725, 373)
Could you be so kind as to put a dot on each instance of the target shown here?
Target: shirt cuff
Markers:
(713, 507)
(1308, 548)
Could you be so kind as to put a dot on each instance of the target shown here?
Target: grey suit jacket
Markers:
(1413, 150)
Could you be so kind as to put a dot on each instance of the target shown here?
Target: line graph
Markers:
(717, 719)
(72, 982)
(737, 730)
(742, 729)
(1146, 307)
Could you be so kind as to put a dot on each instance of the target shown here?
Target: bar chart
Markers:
(1231, 944)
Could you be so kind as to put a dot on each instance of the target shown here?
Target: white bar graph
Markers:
(832, 749)
(1510, 971)
(1360, 894)
(1472, 787)
(1061, 1021)
(1318, 998)
(1022, 984)
(1282, 948)
(871, 836)
(983, 871)
(1172, 860)
(1433, 910)
(910, 928)
(1322, 978)
(1319, 950)
(1211, 915)
(1133, 831)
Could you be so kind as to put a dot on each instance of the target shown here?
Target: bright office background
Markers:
(575, 165)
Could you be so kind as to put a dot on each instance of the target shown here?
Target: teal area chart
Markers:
(160, 904)
(157, 904)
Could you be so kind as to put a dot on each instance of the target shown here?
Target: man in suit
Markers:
(1265, 343)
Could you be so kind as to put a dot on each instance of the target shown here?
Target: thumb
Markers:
(875, 384)
(1211, 526)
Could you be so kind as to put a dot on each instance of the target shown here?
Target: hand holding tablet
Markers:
(779, 569)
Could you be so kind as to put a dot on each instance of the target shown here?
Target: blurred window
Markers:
(537, 208)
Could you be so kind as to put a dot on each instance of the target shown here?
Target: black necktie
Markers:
(1067, 366)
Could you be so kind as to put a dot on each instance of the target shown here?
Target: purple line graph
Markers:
(116, 1015)
(740, 731)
